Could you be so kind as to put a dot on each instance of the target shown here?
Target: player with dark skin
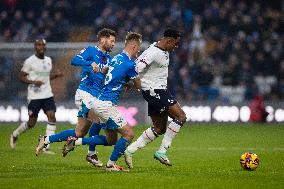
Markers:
(175, 112)
(40, 49)
(152, 66)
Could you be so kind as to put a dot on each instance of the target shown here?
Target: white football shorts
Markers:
(107, 112)
(84, 102)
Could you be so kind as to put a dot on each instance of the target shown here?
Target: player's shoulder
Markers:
(30, 60)
(91, 48)
(47, 58)
(154, 50)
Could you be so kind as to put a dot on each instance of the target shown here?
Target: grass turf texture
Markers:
(203, 156)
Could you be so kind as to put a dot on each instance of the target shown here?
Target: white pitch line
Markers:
(220, 149)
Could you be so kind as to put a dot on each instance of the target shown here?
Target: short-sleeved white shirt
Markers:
(38, 69)
(152, 66)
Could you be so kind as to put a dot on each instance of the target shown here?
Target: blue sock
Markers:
(95, 140)
(63, 136)
(119, 149)
(94, 130)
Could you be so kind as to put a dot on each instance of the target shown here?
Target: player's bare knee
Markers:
(129, 136)
(80, 133)
(31, 122)
(182, 117)
(51, 117)
(127, 133)
(111, 141)
(160, 131)
(30, 125)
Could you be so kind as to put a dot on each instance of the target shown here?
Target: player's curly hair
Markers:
(106, 32)
(169, 32)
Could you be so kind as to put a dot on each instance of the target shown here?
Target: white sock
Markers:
(90, 153)
(78, 142)
(21, 129)
(170, 134)
(146, 137)
(46, 140)
(50, 130)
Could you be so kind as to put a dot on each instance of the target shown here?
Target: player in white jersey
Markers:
(36, 73)
(152, 66)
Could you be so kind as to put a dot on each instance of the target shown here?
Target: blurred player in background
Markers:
(121, 69)
(36, 72)
(152, 66)
(93, 60)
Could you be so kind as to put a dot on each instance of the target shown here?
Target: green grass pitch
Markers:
(203, 156)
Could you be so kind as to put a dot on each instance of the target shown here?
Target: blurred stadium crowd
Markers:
(230, 50)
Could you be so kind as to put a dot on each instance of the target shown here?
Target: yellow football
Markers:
(249, 161)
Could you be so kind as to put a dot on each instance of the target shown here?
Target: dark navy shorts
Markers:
(159, 101)
(46, 104)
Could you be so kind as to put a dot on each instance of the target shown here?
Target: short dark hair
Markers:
(133, 36)
(169, 32)
(106, 32)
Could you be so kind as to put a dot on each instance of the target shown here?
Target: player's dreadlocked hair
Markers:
(172, 33)
(133, 36)
(106, 32)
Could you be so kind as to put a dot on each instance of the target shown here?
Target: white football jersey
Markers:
(38, 69)
(152, 66)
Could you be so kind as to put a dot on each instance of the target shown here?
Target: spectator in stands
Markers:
(231, 74)
(231, 35)
(203, 78)
(280, 77)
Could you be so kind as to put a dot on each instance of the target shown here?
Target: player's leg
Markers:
(49, 108)
(33, 109)
(80, 130)
(59, 137)
(95, 129)
(110, 114)
(107, 140)
(127, 135)
(83, 125)
(86, 116)
(179, 118)
(149, 135)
